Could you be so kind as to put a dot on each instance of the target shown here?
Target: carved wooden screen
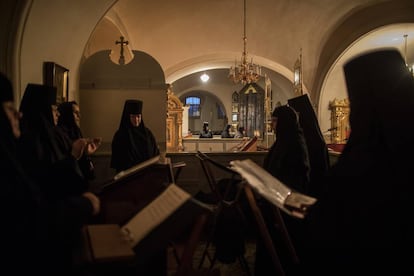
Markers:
(252, 109)
(174, 122)
(340, 128)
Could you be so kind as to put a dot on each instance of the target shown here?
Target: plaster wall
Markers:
(105, 107)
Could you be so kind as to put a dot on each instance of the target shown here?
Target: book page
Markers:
(155, 213)
(261, 181)
(273, 189)
(298, 204)
(108, 243)
(137, 167)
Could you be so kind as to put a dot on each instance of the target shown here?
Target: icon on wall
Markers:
(57, 76)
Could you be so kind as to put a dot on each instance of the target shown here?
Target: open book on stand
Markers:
(128, 172)
(159, 220)
(154, 213)
(293, 203)
(137, 167)
(106, 243)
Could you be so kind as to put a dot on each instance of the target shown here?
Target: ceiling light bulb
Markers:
(204, 77)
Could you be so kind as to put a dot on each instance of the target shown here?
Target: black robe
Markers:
(55, 173)
(288, 161)
(226, 133)
(23, 210)
(70, 132)
(206, 133)
(315, 142)
(363, 221)
(132, 145)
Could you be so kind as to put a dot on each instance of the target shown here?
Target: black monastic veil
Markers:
(132, 145)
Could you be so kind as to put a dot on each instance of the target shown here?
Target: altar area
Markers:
(215, 144)
(218, 144)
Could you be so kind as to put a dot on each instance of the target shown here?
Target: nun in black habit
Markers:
(56, 174)
(363, 222)
(22, 206)
(133, 142)
(315, 142)
(288, 161)
(43, 149)
(32, 235)
(69, 126)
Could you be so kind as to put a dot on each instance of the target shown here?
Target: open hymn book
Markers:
(293, 203)
(154, 213)
(137, 167)
(113, 242)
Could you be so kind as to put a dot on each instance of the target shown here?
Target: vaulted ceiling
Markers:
(190, 36)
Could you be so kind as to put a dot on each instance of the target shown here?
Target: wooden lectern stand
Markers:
(257, 214)
(123, 198)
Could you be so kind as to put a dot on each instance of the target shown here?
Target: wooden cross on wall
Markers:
(121, 56)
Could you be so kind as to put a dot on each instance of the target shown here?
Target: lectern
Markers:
(132, 193)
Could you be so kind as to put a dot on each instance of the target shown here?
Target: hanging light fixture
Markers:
(245, 72)
(410, 67)
(204, 77)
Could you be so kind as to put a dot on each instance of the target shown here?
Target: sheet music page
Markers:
(273, 189)
(137, 167)
(155, 213)
(262, 181)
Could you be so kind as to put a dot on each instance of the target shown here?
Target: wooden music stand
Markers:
(261, 224)
(224, 197)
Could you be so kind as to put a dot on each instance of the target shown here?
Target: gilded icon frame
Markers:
(58, 76)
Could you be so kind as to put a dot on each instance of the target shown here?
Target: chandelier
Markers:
(245, 72)
(410, 67)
